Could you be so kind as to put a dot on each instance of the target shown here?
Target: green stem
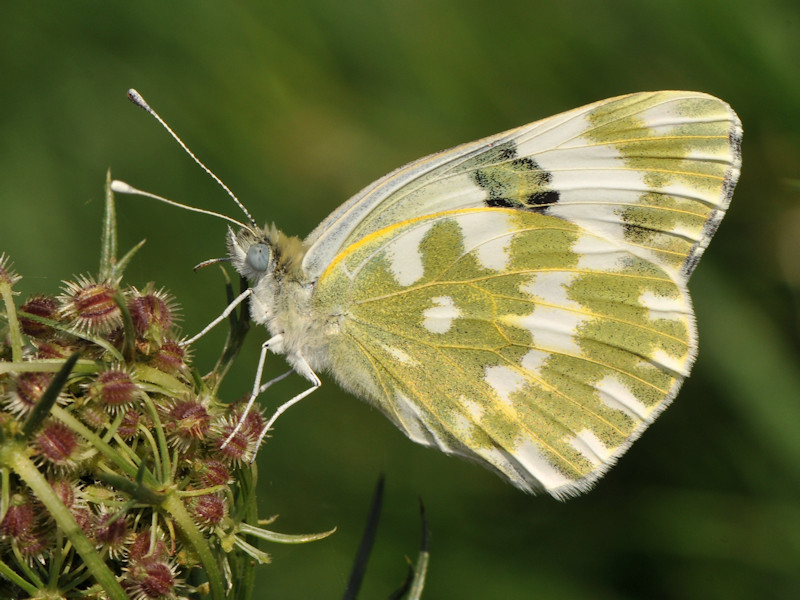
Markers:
(175, 507)
(26, 569)
(163, 447)
(129, 337)
(108, 239)
(17, 579)
(5, 492)
(97, 442)
(12, 454)
(48, 399)
(13, 323)
(103, 343)
(50, 365)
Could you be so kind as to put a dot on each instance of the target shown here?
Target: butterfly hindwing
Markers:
(509, 337)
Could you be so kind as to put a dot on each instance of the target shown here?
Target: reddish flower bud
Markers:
(29, 388)
(130, 424)
(211, 472)
(114, 388)
(57, 445)
(151, 312)
(66, 491)
(151, 580)
(34, 545)
(170, 357)
(238, 450)
(41, 306)
(20, 519)
(208, 510)
(186, 422)
(53, 349)
(90, 306)
(142, 547)
(110, 533)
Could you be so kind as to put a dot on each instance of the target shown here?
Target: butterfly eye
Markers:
(259, 257)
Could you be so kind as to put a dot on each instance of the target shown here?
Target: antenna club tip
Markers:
(137, 99)
(120, 187)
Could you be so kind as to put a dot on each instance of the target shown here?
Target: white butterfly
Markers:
(520, 300)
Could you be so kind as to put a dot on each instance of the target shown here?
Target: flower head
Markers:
(40, 306)
(114, 389)
(90, 306)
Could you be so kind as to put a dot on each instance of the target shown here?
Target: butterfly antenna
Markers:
(137, 99)
(211, 261)
(120, 187)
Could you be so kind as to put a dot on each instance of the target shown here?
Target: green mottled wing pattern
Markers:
(521, 300)
(511, 338)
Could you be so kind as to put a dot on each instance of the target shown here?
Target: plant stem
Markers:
(175, 507)
(13, 455)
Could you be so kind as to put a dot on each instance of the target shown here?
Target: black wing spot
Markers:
(513, 182)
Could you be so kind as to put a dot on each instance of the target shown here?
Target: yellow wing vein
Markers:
(633, 113)
(647, 170)
(641, 140)
(512, 414)
(505, 274)
(495, 351)
(581, 112)
(532, 434)
(389, 401)
(525, 373)
(588, 313)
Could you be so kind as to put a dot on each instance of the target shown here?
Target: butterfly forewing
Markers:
(652, 170)
(509, 337)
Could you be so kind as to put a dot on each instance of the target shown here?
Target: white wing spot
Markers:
(597, 254)
(487, 235)
(534, 360)
(399, 354)
(551, 287)
(530, 456)
(614, 394)
(590, 447)
(462, 426)
(551, 328)
(472, 408)
(409, 418)
(439, 318)
(504, 381)
(663, 307)
(496, 457)
(676, 365)
(405, 258)
(413, 422)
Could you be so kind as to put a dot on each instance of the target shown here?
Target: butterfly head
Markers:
(272, 264)
(258, 253)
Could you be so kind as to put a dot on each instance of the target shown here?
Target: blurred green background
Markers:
(297, 105)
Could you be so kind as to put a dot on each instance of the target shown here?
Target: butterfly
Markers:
(521, 300)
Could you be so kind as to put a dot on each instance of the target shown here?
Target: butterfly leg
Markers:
(278, 339)
(228, 310)
(281, 377)
(303, 368)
